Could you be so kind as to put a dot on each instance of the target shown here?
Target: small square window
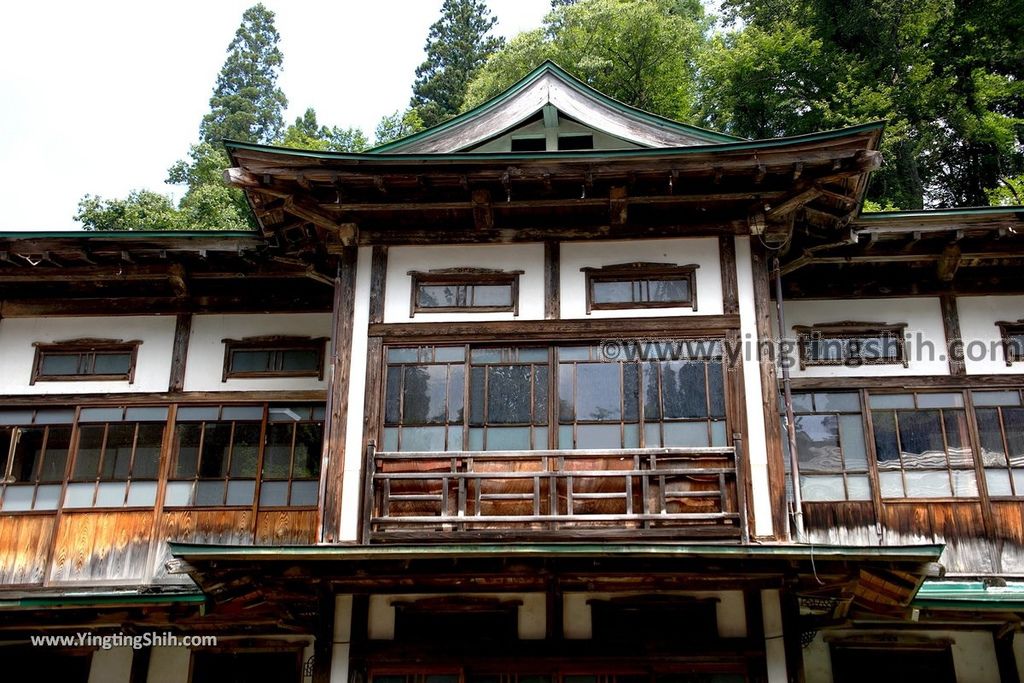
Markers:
(85, 360)
(274, 357)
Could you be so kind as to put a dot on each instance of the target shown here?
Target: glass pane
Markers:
(965, 483)
(508, 394)
(15, 417)
(142, 493)
(53, 416)
(940, 400)
(652, 435)
(178, 493)
(245, 451)
(821, 487)
(197, 413)
(891, 400)
(390, 439)
(274, 493)
(101, 415)
(112, 363)
(886, 446)
(59, 364)
(254, 360)
(305, 492)
(817, 443)
(802, 403)
(669, 290)
(210, 493)
(309, 444)
(716, 388)
(111, 494)
(1018, 481)
(393, 397)
(858, 487)
(146, 415)
(488, 354)
(540, 394)
(288, 413)
(566, 397)
(995, 398)
(47, 497)
(403, 355)
(631, 392)
(683, 389)
(604, 292)
(927, 484)
(891, 484)
(998, 482)
(437, 296)
(993, 453)
(147, 451)
(186, 456)
(540, 438)
(492, 295)
(17, 498)
(455, 438)
(719, 434)
(456, 392)
(693, 434)
(958, 440)
(652, 402)
(423, 439)
(851, 435)
(90, 444)
(277, 455)
(117, 457)
(476, 439)
(450, 353)
(477, 391)
(631, 436)
(598, 436)
(508, 438)
(243, 413)
(241, 492)
(79, 495)
(837, 403)
(565, 437)
(27, 454)
(598, 392)
(424, 393)
(574, 353)
(921, 440)
(301, 360)
(216, 442)
(1013, 423)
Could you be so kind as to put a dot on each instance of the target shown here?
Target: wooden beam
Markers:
(618, 206)
(179, 354)
(792, 202)
(552, 280)
(483, 216)
(949, 262)
(378, 283)
(184, 398)
(241, 178)
(730, 289)
(149, 305)
(954, 339)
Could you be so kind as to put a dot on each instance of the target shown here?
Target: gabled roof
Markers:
(549, 84)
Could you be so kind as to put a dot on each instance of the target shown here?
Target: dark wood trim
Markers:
(1006, 658)
(906, 382)
(954, 338)
(1008, 329)
(640, 271)
(791, 636)
(769, 388)
(179, 355)
(465, 277)
(125, 306)
(275, 345)
(694, 326)
(727, 261)
(850, 329)
(552, 280)
(736, 413)
(139, 672)
(372, 404)
(83, 347)
(186, 398)
(378, 283)
(332, 469)
(725, 226)
(323, 639)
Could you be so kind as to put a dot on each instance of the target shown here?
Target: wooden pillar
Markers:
(727, 261)
(769, 387)
(552, 281)
(1005, 657)
(179, 354)
(332, 468)
(323, 640)
(139, 672)
(374, 376)
(954, 340)
(792, 633)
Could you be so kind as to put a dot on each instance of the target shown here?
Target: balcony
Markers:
(675, 493)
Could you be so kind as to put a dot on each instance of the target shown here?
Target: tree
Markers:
(140, 210)
(246, 103)
(642, 52)
(306, 133)
(397, 125)
(457, 46)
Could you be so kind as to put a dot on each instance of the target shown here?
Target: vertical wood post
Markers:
(332, 468)
(954, 340)
(552, 282)
(179, 354)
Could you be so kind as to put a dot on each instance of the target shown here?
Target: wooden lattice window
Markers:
(274, 357)
(641, 285)
(852, 344)
(1012, 334)
(85, 360)
(465, 290)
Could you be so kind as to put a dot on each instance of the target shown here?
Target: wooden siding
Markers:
(27, 542)
(102, 547)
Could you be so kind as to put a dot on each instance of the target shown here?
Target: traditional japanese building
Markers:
(503, 402)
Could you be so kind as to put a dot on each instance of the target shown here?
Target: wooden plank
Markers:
(954, 339)
(282, 302)
(552, 280)
(374, 392)
(618, 205)
(26, 544)
(727, 260)
(224, 526)
(769, 389)
(102, 546)
(332, 470)
(378, 283)
(286, 527)
(179, 353)
(676, 327)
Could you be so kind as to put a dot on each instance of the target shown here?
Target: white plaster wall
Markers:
(111, 666)
(204, 369)
(1018, 653)
(353, 464)
(774, 642)
(528, 258)
(169, 665)
(757, 443)
(983, 348)
(536, 129)
(680, 251)
(532, 613)
(341, 643)
(730, 612)
(923, 317)
(974, 654)
(153, 365)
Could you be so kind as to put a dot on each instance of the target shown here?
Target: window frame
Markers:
(86, 349)
(639, 271)
(850, 329)
(1008, 329)
(276, 345)
(464, 277)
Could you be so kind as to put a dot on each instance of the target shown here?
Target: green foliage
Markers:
(306, 133)
(140, 210)
(246, 103)
(208, 204)
(1009, 192)
(457, 46)
(642, 52)
(397, 125)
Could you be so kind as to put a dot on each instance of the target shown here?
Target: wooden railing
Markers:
(441, 496)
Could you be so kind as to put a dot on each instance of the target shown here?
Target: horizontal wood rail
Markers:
(666, 492)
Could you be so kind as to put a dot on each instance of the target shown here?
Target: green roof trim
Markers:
(549, 66)
(970, 595)
(918, 553)
(737, 146)
(125, 234)
(965, 211)
(104, 599)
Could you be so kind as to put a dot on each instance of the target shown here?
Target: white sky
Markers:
(101, 97)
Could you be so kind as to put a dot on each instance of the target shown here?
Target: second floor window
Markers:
(641, 285)
(1012, 334)
(85, 359)
(256, 357)
(852, 344)
(468, 290)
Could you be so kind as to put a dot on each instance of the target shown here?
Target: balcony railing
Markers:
(670, 492)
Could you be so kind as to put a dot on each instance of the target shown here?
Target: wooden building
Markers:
(506, 401)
